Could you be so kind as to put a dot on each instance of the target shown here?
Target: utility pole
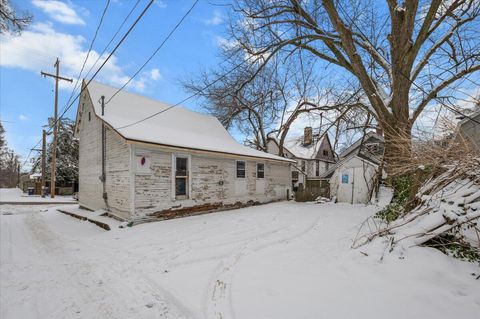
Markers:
(44, 159)
(57, 77)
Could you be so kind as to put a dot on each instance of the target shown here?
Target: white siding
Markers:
(90, 147)
(357, 190)
(212, 180)
(90, 164)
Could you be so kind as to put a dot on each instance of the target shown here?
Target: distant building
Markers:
(313, 155)
(136, 165)
(353, 177)
(469, 130)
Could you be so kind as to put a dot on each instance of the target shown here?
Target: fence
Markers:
(313, 189)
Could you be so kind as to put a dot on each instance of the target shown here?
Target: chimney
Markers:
(307, 136)
(379, 130)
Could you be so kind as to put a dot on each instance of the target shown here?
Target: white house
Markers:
(137, 165)
(313, 156)
(352, 179)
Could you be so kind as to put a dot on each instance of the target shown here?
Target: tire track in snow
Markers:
(219, 299)
(83, 273)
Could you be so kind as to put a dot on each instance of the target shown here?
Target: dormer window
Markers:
(372, 147)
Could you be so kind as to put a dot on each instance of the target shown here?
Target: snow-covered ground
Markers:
(282, 260)
(16, 195)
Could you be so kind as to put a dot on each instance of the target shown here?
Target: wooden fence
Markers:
(312, 190)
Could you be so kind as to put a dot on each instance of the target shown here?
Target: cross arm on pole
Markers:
(45, 74)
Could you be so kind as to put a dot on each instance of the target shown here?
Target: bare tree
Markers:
(403, 56)
(266, 102)
(10, 20)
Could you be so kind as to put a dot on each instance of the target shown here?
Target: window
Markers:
(295, 176)
(181, 177)
(260, 170)
(325, 152)
(317, 168)
(89, 116)
(303, 166)
(240, 169)
(372, 147)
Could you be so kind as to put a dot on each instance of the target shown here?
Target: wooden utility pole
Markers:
(44, 160)
(57, 77)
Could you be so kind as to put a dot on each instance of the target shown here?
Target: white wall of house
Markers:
(212, 179)
(352, 181)
(89, 132)
(90, 194)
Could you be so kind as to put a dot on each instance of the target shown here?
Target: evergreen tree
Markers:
(67, 154)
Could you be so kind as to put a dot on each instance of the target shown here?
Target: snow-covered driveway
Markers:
(283, 260)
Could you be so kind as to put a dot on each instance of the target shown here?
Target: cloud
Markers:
(22, 117)
(216, 19)
(161, 4)
(45, 44)
(59, 11)
(155, 74)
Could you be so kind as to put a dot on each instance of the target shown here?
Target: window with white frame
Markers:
(181, 177)
(260, 170)
(241, 169)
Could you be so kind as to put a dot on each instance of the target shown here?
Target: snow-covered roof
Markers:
(295, 146)
(177, 127)
(352, 147)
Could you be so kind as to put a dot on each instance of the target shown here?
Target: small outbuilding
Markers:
(354, 176)
(141, 158)
(469, 130)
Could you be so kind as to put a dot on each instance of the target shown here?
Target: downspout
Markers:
(103, 177)
(353, 182)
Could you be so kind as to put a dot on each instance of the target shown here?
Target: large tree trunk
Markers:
(398, 147)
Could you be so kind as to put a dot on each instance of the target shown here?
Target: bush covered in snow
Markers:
(445, 216)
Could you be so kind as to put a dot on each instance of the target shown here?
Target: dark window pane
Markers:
(241, 165)
(180, 186)
(240, 174)
(240, 169)
(260, 170)
(295, 175)
(181, 164)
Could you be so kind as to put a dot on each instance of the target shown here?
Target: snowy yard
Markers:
(15, 195)
(283, 260)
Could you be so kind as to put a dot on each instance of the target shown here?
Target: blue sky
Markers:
(65, 29)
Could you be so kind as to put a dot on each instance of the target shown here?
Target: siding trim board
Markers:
(197, 150)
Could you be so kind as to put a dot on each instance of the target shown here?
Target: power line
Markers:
(113, 37)
(194, 94)
(154, 52)
(98, 70)
(401, 73)
(189, 97)
(88, 53)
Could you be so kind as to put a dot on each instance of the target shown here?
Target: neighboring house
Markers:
(176, 160)
(313, 156)
(469, 129)
(352, 179)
